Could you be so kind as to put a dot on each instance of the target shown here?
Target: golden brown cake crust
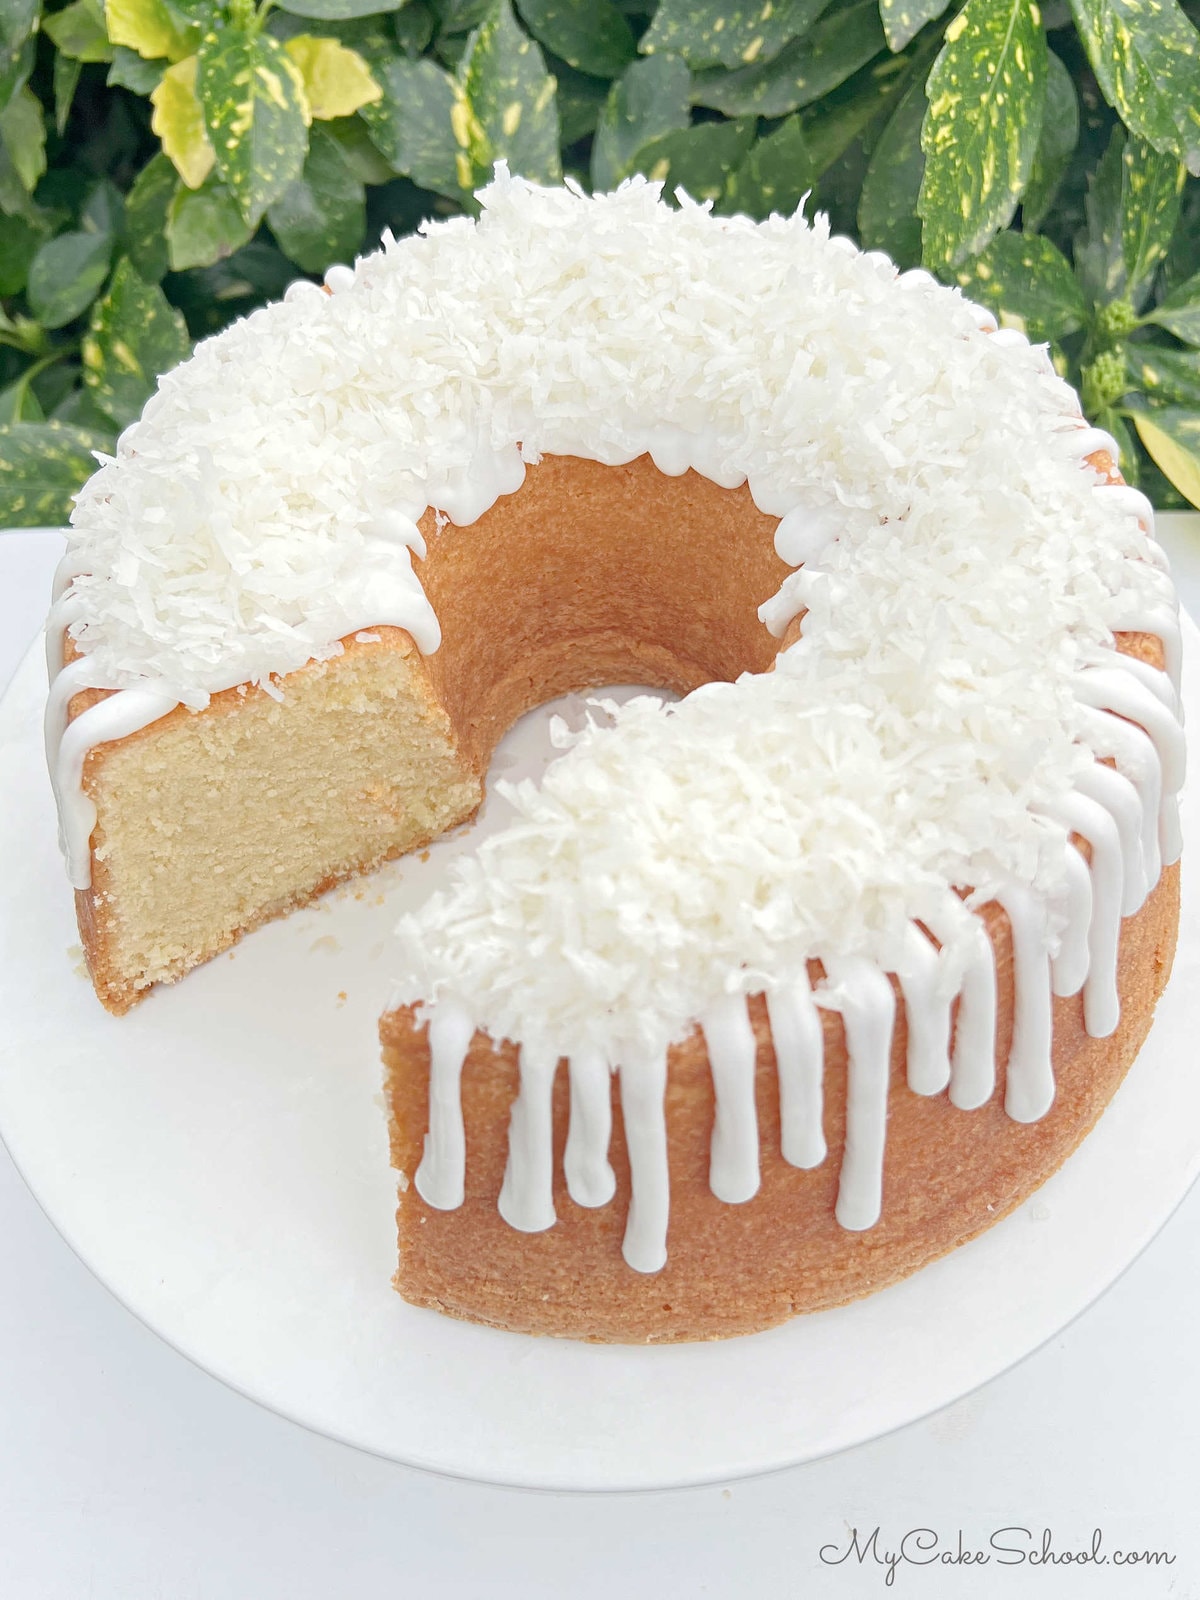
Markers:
(948, 1175)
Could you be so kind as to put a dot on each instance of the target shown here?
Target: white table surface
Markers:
(127, 1474)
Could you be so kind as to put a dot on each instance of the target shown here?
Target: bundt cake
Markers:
(765, 997)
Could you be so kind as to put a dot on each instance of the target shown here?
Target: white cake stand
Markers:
(218, 1158)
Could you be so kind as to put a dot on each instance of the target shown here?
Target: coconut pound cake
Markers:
(764, 998)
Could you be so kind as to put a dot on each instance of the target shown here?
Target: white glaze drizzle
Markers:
(799, 1042)
(1131, 712)
(1029, 1083)
(527, 1192)
(1142, 699)
(1153, 678)
(66, 609)
(926, 1014)
(1162, 621)
(1089, 819)
(1126, 695)
(71, 566)
(441, 1176)
(1092, 441)
(973, 1055)
(1135, 756)
(643, 1090)
(1069, 963)
(1120, 799)
(733, 1170)
(867, 1002)
(590, 1178)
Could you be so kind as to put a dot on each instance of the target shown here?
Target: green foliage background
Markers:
(167, 165)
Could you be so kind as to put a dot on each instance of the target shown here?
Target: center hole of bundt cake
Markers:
(591, 575)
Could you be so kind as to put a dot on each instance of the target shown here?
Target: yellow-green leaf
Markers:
(23, 136)
(1172, 437)
(78, 31)
(178, 121)
(337, 81)
(149, 28)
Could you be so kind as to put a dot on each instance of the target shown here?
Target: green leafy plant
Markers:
(1124, 322)
(167, 165)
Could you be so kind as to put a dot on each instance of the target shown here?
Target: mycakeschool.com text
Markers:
(1014, 1546)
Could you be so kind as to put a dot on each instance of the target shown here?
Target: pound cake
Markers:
(765, 997)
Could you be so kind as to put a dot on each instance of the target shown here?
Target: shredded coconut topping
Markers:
(959, 570)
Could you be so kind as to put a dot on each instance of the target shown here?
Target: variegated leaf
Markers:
(42, 464)
(775, 176)
(697, 160)
(1132, 208)
(1026, 279)
(204, 225)
(1146, 57)
(804, 71)
(887, 207)
(649, 99)
(255, 114)
(65, 276)
(146, 207)
(714, 33)
(1170, 377)
(508, 110)
(1152, 185)
(904, 19)
(592, 38)
(412, 124)
(321, 217)
(1179, 313)
(981, 131)
(134, 335)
